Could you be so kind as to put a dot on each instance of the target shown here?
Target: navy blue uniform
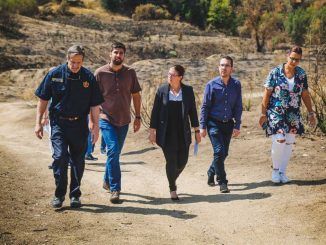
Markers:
(72, 95)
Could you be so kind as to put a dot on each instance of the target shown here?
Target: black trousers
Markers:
(176, 160)
(69, 141)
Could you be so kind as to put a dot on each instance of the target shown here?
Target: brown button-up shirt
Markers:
(116, 88)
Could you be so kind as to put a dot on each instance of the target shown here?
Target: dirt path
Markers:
(255, 212)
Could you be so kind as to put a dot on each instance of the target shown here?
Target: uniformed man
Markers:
(74, 93)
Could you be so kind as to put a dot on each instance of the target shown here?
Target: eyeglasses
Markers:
(294, 59)
(225, 65)
(172, 75)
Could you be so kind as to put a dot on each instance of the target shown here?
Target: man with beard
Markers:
(118, 84)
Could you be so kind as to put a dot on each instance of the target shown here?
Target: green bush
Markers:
(317, 28)
(222, 16)
(150, 12)
(25, 7)
(297, 25)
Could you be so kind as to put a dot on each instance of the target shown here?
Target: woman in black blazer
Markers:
(174, 105)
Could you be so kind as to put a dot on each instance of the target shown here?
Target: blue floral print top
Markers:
(283, 111)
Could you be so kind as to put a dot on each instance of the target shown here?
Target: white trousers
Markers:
(282, 150)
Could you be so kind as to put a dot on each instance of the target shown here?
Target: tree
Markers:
(297, 25)
(222, 17)
(192, 11)
(261, 21)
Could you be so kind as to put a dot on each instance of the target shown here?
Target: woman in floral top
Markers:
(285, 86)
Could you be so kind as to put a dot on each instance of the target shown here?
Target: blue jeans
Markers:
(114, 138)
(220, 135)
(90, 146)
(103, 145)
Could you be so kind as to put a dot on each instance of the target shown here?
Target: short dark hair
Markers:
(76, 49)
(296, 49)
(227, 58)
(179, 69)
(116, 44)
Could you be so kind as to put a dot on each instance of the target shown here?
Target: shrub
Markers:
(318, 86)
(297, 25)
(150, 12)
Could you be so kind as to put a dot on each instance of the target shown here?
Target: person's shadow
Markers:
(253, 185)
(99, 209)
(139, 151)
(193, 198)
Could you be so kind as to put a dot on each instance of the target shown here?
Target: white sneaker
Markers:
(284, 179)
(276, 178)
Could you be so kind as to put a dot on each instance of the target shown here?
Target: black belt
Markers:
(69, 118)
(221, 121)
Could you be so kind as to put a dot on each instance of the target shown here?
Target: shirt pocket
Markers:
(59, 88)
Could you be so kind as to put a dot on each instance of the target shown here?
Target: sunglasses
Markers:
(294, 59)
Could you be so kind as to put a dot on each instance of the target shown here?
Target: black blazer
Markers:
(159, 117)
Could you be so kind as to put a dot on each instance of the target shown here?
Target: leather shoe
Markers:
(174, 196)
(91, 158)
(115, 197)
(106, 186)
(210, 180)
(224, 188)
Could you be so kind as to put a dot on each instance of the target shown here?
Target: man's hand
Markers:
(236, 132)
(39, 130)
(203, 132)
(137, 122)
(95, 131)
(45, 121)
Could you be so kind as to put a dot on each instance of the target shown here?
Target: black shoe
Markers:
(174, 196)
(75, 202)
(210, 180)
(50, 166)
(57, 202)
(91, 158)
(217, 178)
(224, 188)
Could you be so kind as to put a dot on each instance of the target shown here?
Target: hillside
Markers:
(255, 212)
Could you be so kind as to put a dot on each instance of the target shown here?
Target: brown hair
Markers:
(179, 69)
(228, 58)
(296, 49)
(117, 44)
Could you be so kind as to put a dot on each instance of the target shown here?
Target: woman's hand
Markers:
(152, 135)
(197, 136)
